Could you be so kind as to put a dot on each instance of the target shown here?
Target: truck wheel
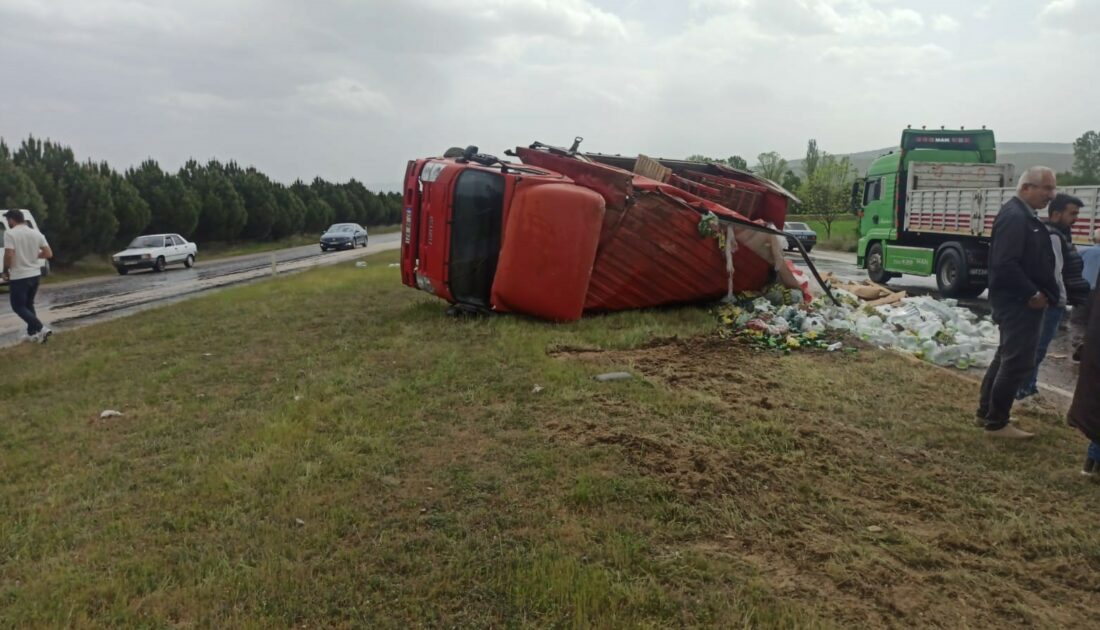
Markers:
(952, 274)
(875, 265)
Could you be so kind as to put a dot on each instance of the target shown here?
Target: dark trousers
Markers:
(1013, 362)
(22, 302)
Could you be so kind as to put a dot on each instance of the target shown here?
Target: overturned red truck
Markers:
(563, 233)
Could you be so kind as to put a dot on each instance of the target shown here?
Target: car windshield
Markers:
(146, 241)
(341, 228)
(797, 226)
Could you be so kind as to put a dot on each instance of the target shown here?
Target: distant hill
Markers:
(1056, 155)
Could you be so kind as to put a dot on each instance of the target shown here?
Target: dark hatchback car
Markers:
(802, 232)
(344, 236)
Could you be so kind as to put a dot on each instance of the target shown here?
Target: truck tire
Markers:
(953, 274)
(875, 265)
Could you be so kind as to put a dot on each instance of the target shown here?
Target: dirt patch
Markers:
(824, 491)
(696, 472)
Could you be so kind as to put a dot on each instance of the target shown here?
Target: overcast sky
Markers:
(354, 88)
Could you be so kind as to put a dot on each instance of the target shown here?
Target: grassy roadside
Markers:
(375, 463)
(844, 234)
(93, 266)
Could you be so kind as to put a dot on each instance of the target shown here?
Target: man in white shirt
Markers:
(24, 250)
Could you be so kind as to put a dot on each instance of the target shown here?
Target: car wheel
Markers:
(159, 265)
(324, 249)
(189, 261)
(122, 271)
(809, 248)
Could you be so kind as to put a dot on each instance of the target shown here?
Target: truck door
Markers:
(875, 213)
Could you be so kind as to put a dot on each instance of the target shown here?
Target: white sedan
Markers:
(155, 252)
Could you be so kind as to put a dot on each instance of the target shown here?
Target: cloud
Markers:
(95, 14)
(891, 59)
(346, 95)
(1073, 16)
(197, 101)
(945, 24)
(293, 87)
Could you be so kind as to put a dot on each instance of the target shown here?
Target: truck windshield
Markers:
(475, 235)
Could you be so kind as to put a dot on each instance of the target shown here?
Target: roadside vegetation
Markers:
(845, 234)
(376, 463)
(88, 209)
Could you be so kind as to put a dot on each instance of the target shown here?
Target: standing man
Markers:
(1021, 285)
(24, 250)
(1084, 413)
(1091, 258)
(1068, 269)
(1080, 316)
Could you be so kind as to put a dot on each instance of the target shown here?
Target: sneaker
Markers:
(31, 338)
(43, 335)
(1009, 432)
(1026, 392)
(979, 419)
(1091, 468)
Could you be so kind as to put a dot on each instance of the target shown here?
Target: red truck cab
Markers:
(476, 235)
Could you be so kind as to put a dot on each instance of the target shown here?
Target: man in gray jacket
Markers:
(1021, 285)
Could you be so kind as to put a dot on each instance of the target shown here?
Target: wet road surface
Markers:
(68, 305)
(1057, 374)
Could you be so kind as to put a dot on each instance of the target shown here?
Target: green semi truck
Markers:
(928, 208)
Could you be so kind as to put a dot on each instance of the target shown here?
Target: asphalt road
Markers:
(72, 304)
(1057, 374)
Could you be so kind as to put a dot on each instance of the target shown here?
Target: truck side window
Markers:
(873, 191)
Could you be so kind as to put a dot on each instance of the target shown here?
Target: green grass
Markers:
(95, 266)
(374, 463)
(844, 234)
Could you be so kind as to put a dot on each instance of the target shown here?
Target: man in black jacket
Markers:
(1068, 270)
(1021, 285)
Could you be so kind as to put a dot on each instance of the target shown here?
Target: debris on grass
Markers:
(109, 413)
(613, 376)
(938, 331)
(536, 389)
